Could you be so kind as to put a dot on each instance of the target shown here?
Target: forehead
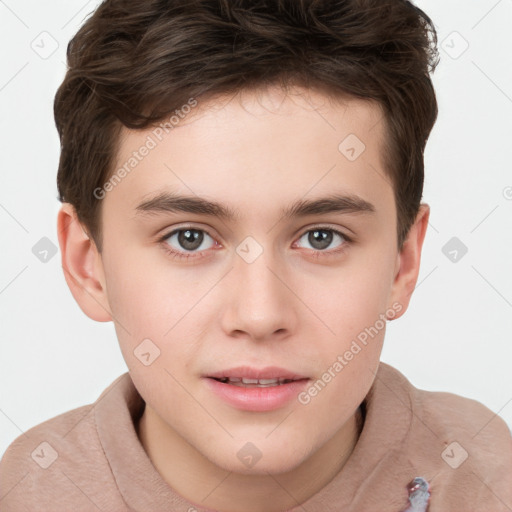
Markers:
(257, 147)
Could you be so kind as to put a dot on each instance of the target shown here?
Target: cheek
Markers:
(348, 359)
(354, 307)
(156, 314)
(357, 300)
(147, 296)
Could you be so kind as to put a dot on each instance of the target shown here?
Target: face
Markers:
(294, 282)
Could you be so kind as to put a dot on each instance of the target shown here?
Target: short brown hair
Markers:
(134, 63)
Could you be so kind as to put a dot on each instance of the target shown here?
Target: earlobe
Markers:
(408, 261)
(82, 266)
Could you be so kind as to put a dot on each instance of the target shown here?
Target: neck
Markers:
(198, 480)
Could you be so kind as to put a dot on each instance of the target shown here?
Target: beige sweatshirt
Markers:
(90, 458)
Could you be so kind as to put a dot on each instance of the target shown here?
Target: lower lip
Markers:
(257, 399)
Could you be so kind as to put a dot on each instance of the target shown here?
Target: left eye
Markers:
(189, 239)
(321, 239)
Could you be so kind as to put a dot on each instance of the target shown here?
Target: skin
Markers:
(295, 306)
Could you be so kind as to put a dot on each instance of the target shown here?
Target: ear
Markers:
(408, 261)
(82, 265)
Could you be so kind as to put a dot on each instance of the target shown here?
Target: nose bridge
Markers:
(258, 278)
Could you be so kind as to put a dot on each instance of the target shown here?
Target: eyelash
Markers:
(316, 253)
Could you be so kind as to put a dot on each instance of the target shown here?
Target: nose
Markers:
(260, 303)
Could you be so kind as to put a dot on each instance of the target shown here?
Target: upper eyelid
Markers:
(173, 231)
(325, 227)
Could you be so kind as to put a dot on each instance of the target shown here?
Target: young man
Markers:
(241, 185)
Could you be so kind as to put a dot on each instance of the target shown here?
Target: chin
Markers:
(248, 459)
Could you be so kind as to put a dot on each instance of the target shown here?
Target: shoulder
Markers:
(59, 461)
(455, 417)
(448, 415)
(461, 446)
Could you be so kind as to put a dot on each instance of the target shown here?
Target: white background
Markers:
(456, 335)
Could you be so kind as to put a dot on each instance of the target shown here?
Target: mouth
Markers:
(253, 383)
(247, 376)
(257, 390)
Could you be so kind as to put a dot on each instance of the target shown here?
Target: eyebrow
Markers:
(167, 202)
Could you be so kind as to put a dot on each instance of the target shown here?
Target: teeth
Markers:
(268, 381)
(243, 382)
(249, 381)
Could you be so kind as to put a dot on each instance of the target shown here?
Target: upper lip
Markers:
(249, 372)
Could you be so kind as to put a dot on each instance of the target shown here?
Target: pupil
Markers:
(320, 239)
(190, 239)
